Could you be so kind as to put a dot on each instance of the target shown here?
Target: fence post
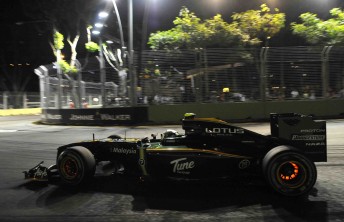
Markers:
(80, 89)
(43, 88)
(42, 73)
(24, 100)
(46, 93)
(102, 73)
(198, 77)
(263, 74)
(5, 97)
(325, 70)
(206, 75)
(58, 99)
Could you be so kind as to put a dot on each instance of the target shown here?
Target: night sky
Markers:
(24, 43)
(164, 11)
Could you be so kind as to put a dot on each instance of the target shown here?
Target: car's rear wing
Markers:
(302, 132)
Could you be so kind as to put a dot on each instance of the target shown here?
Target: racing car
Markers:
(208, 149)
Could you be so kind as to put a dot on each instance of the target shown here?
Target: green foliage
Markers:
(67, 68)
(92, 46)
(260, 24)
(187, 21)
(58, 41)
(191, 32)
(220, 33)
(317, 31)
(190, 29)
(170, 39)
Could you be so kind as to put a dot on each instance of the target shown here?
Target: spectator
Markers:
(84, 103)
(294, 94)
(71, 104)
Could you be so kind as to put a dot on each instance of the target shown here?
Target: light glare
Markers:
(103, 14)
(98, 25)
(95, 32)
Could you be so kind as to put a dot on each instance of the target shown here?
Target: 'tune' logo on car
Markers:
(182, 165)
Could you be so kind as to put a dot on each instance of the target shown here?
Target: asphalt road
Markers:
(114, 198)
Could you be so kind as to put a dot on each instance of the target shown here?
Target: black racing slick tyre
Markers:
(76, 166)
(288, 172)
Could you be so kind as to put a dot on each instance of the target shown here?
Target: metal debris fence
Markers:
(10, 100)
(204, 76)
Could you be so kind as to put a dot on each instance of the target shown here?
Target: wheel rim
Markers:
(291, 174)
(70, 168)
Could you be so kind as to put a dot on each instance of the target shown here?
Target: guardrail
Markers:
(23, 100)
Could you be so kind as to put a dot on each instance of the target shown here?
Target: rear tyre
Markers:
(289, 173)
(76, 166)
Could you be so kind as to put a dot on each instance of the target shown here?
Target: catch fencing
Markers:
(202, 76)
(23, 100)
(230, 75)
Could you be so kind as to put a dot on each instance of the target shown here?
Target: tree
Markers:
(222, 34)
(68, 18)
(317, 31)
(260, 24)
(183, 35)
(72, 69)
(248, 28)
(191, 32)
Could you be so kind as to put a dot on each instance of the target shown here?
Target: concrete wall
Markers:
(246, 111)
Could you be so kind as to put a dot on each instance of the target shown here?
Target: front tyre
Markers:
(289, 173)
(76, 166)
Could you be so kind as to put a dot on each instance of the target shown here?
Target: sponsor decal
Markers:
(309, 137)
(115, 117)
(313, 131)
(142, 162)
(182, 166)
(316, 144)
(123, 151)
(51, 116)
(224, 130)
(244, 164)
(81, 117)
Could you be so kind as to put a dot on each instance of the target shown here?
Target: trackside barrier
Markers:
(101, 116)
(160, 114)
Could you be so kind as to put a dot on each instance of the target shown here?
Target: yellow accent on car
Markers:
(193, 150)
(143, 163)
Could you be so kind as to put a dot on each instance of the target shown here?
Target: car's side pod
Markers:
(76, 165)
(288, 171)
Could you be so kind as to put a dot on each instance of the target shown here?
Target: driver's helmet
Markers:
(170, 133)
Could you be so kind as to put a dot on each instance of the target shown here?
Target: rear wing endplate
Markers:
(301, 132)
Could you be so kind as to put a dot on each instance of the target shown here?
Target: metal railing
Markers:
(10, 100)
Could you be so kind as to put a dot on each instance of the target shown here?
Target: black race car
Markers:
(209, 149)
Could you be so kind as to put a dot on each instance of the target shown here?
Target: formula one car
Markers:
(209, 149)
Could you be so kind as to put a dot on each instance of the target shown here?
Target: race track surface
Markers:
(115, 198)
